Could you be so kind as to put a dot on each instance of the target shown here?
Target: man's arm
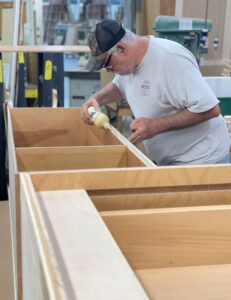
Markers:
(147, 128)
(109, 93)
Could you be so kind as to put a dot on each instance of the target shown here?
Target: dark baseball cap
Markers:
(103, 36)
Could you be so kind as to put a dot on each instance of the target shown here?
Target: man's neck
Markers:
(142, 48)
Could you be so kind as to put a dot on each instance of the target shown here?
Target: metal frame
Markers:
(50, 75)
(21, 80)
(3, 189)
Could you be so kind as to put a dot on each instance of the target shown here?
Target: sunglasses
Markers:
(107, 62)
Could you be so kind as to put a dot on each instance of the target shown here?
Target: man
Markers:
(176, 114)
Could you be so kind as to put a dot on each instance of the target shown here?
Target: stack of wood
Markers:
(95, 10)
(228, 123)
(55, 12)
(227, 70)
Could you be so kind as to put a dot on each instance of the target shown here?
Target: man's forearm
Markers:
(144, 128)
(186, 119)
(109, 93)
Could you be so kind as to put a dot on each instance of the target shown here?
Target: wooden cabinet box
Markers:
(172, 226)
(41, 139)
(49, 138)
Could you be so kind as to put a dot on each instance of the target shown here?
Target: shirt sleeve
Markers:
(192, 92)
(117, 82)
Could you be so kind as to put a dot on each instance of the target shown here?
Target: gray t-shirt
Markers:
(167, 81)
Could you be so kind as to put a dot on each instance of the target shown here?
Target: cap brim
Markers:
(95, 62)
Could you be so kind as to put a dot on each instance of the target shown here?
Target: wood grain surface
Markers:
(38, 49)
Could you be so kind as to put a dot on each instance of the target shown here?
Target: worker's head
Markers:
(103, 37)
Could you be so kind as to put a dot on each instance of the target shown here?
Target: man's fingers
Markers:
(135, 138)
(85, 115)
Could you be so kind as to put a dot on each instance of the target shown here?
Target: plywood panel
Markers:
(199, 282)
(152, 11)
(14, 208)
(40, 276)
(6, 268)
(6, 21)
(167, 7)
(70, 158)
(173, 237)
(165, 177)
(133, 160)
(96, 136)
(91, 263)
(47, 127)
(161, 200)
(45, 48)
(131, 147)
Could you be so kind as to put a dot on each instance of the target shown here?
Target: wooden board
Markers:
(88, 253)
(6, 272)
(206, 177)
(200, 282)
(2, 6)
(172, 237)
(38, 48)
(96, 136)
(47, 127)
(14, 209)
(71, 158)
(6, 15)
(161, 200)
(40, 277)
(82, 265)
(134, 149)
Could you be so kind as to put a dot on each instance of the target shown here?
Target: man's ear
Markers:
(121, 48)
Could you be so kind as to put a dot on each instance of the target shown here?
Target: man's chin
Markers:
(123, 73)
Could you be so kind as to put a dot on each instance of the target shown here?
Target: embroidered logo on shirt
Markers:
(145, 88)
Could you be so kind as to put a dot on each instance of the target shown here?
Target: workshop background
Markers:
(203, 26)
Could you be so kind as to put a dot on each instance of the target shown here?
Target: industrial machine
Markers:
(189, 32)
(82, 85)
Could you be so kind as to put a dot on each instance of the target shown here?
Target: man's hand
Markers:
(84, 113)
(143, 129)
(147, 128)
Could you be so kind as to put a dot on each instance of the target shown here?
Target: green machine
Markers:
(191, 33)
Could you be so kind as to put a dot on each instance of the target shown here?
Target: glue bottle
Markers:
(99, 119)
